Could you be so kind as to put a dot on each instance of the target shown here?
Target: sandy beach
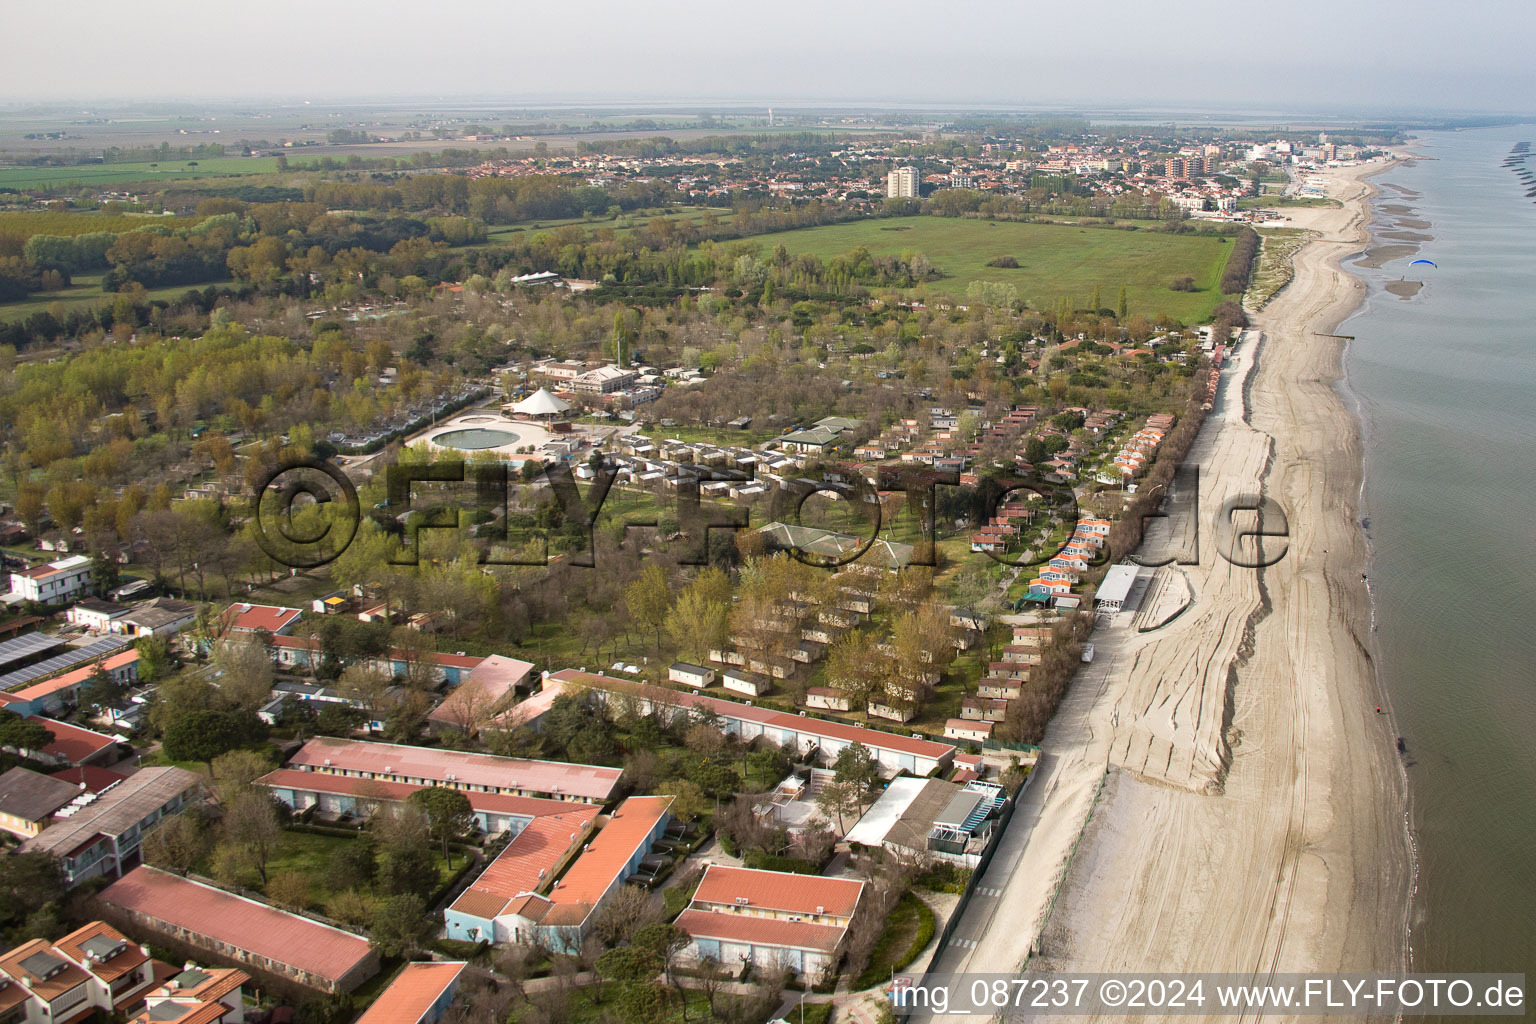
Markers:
(1244, 800)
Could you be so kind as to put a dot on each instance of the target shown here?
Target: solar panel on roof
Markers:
(28, 645)
(62, 662)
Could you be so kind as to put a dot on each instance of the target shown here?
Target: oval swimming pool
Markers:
(474, 438)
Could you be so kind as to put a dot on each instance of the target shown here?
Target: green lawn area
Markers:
(85, 292)
(1055, 260)
(909, 928)
(103, 174)
(1275, 201)
(311, 853)
(625, 222)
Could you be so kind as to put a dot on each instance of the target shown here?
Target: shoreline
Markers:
(1354, 402)
(1219, 794)
(1310, 623)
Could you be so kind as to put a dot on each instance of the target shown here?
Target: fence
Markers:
(981, 869)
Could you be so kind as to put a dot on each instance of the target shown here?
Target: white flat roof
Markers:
(886, 812)
(1117, 583)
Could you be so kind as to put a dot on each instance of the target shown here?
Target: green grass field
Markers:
(107, 174)
(85, 292)
(624, 223)
(1055, 260)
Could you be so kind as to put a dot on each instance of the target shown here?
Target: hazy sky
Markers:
(1339, 54)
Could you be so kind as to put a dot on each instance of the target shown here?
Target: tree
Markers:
(400, 925)
(404, 862)
(350, 907)
(688, 802)
(251, 826)
(245, 674)
(649, 599)
(856, 666)
(449, 815)
(17, 733)
(236, 771)
(180, 842)
(856, 766)
(154, 658)
(29, 882)
(369, 686)
(697, 624)
(840, 800)
(289, 889)
(627, 911)
(204, 735)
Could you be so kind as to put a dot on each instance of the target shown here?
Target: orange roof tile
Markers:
(284, 938)
(779, 890)
(413, 992)
(606, 856)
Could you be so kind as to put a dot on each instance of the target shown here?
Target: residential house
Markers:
(254, 934)
(420, 994)
(808, 737)
(56, 582)
(197, 995)
(103, 837)
(741, 916)
(94, 614)
(29, 799)
(94, 969)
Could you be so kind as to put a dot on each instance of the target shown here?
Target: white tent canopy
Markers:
(540, 403)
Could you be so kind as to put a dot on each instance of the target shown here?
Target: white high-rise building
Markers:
(901, 183)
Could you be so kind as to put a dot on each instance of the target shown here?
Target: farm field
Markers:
(107, 174)
(1055, 260)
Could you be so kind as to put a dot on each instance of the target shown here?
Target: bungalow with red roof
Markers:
(358, 797)
(489, 690)
(463, 770)
(254, 934)
(554, 911)
(813, 737)
(770, 918)
(527, 866)
(73, 746)
(420, 994)
(252, 618)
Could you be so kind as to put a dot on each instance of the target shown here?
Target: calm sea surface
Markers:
(1446, 385)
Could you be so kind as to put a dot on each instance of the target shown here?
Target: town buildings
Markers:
(902, 183)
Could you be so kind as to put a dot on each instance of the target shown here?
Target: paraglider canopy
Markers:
(1430, 262)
